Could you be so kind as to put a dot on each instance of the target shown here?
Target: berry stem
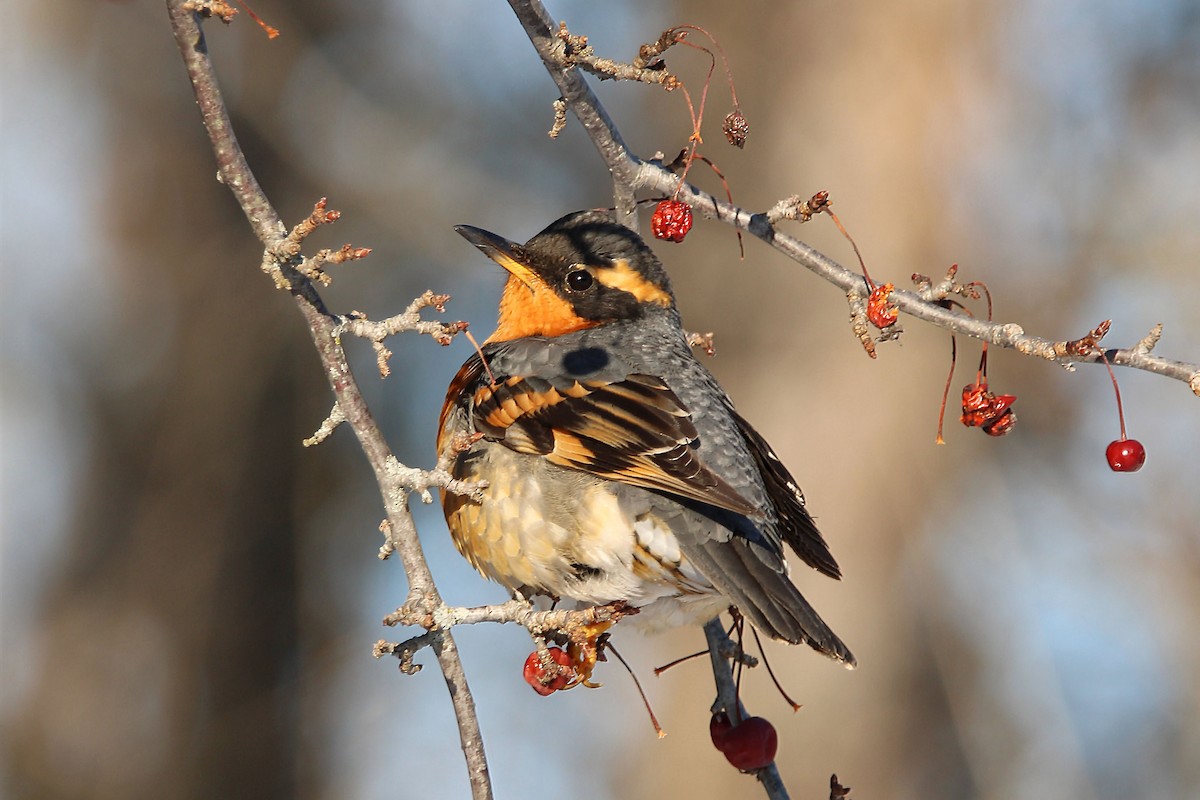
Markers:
(271, 32)
(982, 374)
(721, 50)
(479, 350)
(946, 391)
(1112, 376)
(853, 244)
(645, 701)
(660, 670)
(729, 196)
(986, 293)
(778, 686)
(691, 156)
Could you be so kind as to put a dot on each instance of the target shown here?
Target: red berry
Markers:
(750, 745)
(672, 219)
(718, 728)
(549, 679)
(1126, 455)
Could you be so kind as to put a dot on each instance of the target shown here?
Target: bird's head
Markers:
(583, 270)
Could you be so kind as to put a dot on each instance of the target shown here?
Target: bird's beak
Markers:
(505, 253)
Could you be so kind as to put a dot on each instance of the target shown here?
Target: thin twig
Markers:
(357, 324)
(328, 425)
(576, 52)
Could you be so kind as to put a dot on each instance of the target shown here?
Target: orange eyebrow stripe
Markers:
(627, 279)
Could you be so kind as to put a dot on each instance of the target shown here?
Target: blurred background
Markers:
(189, 597)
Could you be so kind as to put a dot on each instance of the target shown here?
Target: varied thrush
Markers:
(616, 466)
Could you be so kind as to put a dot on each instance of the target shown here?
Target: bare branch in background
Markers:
(638, 174)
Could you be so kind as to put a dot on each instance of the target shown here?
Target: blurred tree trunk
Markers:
(168, 642)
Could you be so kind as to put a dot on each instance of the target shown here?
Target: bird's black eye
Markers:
(579, 280)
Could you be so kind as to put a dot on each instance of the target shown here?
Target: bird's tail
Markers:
(767, 598)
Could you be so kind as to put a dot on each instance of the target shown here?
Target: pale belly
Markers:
(576, 537)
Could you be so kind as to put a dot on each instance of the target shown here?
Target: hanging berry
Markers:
(549, 675)
(1125, 455)
(982, 409)
(672, 219)
(736, 129)
(749, 745)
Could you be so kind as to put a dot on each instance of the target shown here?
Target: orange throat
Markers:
(534, 311)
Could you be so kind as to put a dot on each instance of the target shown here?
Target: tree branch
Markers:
(637, 174)
(519, 611)
(282, 261)
(721, 652)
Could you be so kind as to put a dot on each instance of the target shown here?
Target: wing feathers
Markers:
(795, 524)
(635, 431)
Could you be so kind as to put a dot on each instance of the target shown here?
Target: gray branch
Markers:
(721, 657)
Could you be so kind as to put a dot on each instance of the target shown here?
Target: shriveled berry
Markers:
(1001, 425)
(547, 679)
(989, 411)
(880, 311)
(1125, 455)
(671, 220)
(750, 745)
(736, 129)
